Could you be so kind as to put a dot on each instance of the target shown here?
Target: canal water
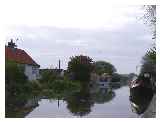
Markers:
(106, 104)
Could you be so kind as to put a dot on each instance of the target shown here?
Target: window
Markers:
(33, 70)
(102, 84)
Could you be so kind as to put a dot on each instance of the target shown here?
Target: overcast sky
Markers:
(57, 31)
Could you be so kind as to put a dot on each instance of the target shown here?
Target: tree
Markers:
(150, 19)
(149, 60)
(17, 87)
(116, 77)
(15, 80)
(104, 67)
(149, 66)
(81, 67)
(151, 53)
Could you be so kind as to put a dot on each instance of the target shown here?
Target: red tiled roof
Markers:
(19, 56)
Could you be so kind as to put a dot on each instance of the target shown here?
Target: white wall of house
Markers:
(32, 72)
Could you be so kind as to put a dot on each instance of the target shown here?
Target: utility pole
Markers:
(58, 102)
(59, 64)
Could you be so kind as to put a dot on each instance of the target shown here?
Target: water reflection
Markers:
(22, 110)
(80, 103)
(115, 85)
(85, 104)
(103, 96)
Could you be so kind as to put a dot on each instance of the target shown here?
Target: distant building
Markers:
(99, 82)
(21, 57)
(58, 72)
(104, 80)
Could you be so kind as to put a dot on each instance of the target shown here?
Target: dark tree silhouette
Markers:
(80, 67)
(104, 67)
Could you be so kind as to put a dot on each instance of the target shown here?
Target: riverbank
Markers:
(151, 110)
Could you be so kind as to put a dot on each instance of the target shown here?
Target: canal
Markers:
(116, 105)
(88, 101)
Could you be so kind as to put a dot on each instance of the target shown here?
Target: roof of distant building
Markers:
(19, 56)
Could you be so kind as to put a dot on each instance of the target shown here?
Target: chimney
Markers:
(11, 44)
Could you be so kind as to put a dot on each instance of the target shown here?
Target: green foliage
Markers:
(151, 54)
(116, 77)
(149, 66)
(62, 86)
(55, 87)
(60, 89)
(35, 87)
(81, 67)
(16, 81)
(104, 67)
(17, 87)
(149, 60)
(47, 77)
(14, 72)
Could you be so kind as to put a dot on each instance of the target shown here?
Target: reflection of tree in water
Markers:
(140, 99)
(115, 85)
(21, 109)
(104, 95)
(80, 103)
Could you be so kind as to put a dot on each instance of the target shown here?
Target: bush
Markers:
(17, 86)
(116, 77)
(48, 77)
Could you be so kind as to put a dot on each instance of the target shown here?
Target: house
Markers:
(31, 68)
